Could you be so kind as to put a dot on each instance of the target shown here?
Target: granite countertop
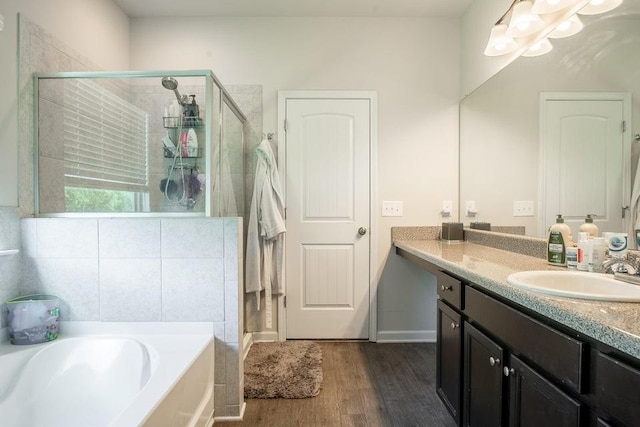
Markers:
(616, 324)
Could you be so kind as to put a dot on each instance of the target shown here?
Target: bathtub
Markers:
(118, 375)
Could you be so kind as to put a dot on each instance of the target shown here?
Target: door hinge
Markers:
(285, 125)
(285, 301)
(624, 126)
(285, 213)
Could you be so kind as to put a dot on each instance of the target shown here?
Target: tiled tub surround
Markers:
(615, 324)
(146, 270)
(10, 263)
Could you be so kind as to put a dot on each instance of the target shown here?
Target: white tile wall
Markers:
(67, 238)
(130, 290)
(192, 238)
(193, 290)
(151, 269)
(129, 238)
(9, 265)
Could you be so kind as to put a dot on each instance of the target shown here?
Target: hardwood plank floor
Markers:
(365, 384)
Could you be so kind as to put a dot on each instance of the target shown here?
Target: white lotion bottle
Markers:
(192, 143)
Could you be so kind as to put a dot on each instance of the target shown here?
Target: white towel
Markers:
(265, 233)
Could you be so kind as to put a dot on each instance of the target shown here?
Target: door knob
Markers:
(362, 231)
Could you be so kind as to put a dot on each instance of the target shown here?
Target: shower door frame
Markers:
(210, 80)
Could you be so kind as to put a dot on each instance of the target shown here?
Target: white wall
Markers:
(412, 63)
(98, 29)
(477, 22)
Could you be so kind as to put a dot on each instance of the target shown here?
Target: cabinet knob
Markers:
(454, 325)
(508, 371)
(445, 288)
(494, 361)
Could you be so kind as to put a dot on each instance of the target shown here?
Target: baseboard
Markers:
(265, 336)
(232, 418)
(406, 336)
(247, 342)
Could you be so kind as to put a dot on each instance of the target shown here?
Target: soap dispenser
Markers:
(589, 226)
(558, 242)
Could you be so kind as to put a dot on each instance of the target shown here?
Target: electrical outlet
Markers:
(447, 207)
(523, 208)
(391, 208)
(470, 208)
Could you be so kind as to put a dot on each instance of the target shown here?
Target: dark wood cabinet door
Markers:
(483, 379)
(534, 401)
(449, 359)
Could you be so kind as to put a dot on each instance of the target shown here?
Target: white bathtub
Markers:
(92, 376)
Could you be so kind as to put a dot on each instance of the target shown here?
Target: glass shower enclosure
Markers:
(135, 142)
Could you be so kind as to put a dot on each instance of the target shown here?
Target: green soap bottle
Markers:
(559, 239)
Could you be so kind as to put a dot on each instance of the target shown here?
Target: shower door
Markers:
(327, 197)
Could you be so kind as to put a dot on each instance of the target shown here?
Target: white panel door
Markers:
(584, 163)
(327, 197)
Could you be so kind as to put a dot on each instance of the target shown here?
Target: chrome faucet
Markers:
(614, 265)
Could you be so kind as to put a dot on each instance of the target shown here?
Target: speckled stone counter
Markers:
(615, 324)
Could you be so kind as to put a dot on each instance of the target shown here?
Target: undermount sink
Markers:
(576, 284)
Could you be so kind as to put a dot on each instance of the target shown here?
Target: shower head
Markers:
(172, 84)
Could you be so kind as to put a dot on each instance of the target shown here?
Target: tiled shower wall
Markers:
(10, 264)
(146, 270)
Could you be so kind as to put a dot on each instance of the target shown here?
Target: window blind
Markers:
(105, 139)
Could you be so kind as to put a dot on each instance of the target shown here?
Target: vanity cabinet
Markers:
(503, 364)
(534, 401)
(449, 359)
(483, 383)
(500, 387)
(617, 390)
(485, 356)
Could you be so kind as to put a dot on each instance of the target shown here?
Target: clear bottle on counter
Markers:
(598, 250)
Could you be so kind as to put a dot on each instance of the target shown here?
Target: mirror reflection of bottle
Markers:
(597, 251)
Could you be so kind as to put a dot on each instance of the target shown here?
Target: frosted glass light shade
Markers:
(550, 6)
(539, 48)
(595, 7)
(568, 28)
(499, 43)
(523, 22)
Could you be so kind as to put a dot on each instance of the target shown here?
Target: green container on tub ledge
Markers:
(33, 319)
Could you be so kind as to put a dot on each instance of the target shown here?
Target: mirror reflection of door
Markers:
(585, 159)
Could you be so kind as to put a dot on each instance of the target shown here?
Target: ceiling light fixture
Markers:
(595, 7)
(525, 26)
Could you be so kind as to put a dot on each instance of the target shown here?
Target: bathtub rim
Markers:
(178, 346)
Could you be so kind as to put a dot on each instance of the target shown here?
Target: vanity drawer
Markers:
(450, 290)
(617, 386)
(558, 354)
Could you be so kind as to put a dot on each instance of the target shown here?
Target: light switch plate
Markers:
(392, 208)
(523, 208)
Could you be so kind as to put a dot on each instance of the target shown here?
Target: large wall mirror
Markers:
(501, 131)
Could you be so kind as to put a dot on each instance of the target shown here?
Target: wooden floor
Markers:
(365, 384)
